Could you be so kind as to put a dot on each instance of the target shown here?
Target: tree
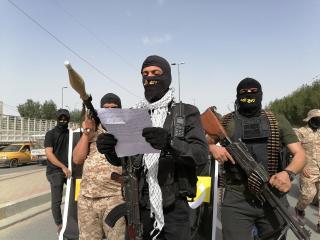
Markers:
(30, 109)
(296, 105)
(76, 116)
(48, 110)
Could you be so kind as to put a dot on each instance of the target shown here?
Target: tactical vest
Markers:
(261, 136)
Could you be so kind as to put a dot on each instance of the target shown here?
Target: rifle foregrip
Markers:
(116, 213)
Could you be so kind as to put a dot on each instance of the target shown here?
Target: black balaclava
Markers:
(63, 112)
(155, 92)
(110, 98)
(314, 123)
(249, 103)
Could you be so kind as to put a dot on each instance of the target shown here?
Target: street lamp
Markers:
(178, 64)
(62, 96)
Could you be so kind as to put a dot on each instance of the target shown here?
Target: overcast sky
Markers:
(106, 41)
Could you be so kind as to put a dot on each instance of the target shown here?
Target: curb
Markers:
(16, 211)
(7, 222)
(14, 207)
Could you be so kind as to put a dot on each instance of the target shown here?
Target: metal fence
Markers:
(19, 129)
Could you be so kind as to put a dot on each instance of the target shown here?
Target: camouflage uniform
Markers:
(311, 143)
(98, 196)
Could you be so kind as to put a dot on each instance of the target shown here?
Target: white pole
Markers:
(215, 200)
(67, 197)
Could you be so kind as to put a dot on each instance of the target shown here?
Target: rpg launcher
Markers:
(258, 177)
(78, 85)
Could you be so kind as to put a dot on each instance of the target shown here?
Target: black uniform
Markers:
(58, 139)
(240, 209)
(179, 159)
(261, 131)
(177, 177)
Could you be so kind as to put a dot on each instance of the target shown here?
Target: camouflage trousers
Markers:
(91, 215)
(308, 188)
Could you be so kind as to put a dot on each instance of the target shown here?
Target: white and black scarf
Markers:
(158, 114)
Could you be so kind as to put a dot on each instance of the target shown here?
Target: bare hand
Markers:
(66, 172)
(220, 154)
(88, 125)
(281, 181)
(306, 172)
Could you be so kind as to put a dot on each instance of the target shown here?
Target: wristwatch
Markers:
(291, 174)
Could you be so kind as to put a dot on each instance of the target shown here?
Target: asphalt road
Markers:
(21, 168)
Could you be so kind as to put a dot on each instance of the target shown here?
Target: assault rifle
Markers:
(77, 84)
(130, 208)
(258, 177)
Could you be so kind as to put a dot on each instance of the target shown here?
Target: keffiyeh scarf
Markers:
(158, 113)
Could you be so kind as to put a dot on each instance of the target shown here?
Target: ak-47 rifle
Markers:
(77, 84)
(130, 208)
(258, 177)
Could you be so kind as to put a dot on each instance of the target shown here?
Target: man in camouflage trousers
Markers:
(309, 136)
(99, 194)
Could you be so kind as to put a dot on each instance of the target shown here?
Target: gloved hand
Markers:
(159, 138)
(106, 143)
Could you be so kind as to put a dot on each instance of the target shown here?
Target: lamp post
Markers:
(62, 96)
(178, 64)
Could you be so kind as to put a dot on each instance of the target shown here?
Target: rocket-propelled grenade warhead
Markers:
(76, 82)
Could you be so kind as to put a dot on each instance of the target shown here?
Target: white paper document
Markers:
(126, 125)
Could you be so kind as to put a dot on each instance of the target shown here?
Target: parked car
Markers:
(38, 155)
(15, 154)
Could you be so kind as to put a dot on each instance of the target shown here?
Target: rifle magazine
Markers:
(116, 213)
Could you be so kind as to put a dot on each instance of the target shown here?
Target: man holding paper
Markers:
(168, 177)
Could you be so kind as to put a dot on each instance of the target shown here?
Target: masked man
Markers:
(264, 135)
(56, 147)
(309, 136)
(98, 192)
(169, 177)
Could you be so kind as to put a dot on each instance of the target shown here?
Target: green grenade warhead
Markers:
(76, 82)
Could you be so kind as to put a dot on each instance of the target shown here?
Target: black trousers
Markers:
(56, 180)
(176, 222)
(239, 215)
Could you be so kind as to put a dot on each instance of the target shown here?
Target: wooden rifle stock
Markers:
(212, 126)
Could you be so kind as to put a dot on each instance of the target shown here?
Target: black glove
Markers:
(106, 143)
(158, 138)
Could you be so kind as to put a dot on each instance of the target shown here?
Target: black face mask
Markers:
(249, 103)
(62, 125)
(314, 123)
(156, 91)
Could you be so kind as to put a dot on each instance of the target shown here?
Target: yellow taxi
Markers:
(15, 154)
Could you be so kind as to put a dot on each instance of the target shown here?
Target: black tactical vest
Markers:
(261, 136)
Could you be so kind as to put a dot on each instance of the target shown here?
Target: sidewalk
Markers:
(23, 195)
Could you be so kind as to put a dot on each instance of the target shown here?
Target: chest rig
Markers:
(262, 137)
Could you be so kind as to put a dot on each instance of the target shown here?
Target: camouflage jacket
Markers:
(96, 177)
(310, 141)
